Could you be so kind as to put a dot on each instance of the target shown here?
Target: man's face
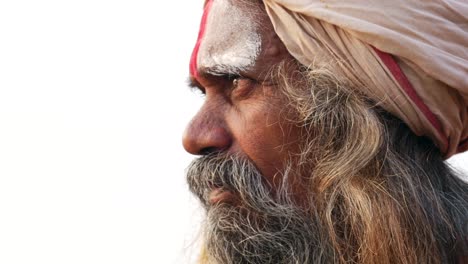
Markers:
(246, 177)
(243, 113)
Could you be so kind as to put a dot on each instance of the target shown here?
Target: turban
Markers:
(410, 56)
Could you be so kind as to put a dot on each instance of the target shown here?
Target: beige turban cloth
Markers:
(409, 55)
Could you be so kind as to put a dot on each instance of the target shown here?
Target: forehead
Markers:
(229, 40)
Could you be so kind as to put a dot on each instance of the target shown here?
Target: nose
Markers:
(206, 134)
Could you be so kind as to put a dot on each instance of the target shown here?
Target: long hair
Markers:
(381, 193)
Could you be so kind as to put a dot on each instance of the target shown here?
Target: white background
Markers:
(93, 103)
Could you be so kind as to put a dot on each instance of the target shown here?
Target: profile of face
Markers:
(245, 138)
(243, 114)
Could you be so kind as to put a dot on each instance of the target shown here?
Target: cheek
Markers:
(262, 134)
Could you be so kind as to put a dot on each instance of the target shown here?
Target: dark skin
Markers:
(244, 115)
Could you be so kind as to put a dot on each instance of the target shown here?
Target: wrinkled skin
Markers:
(242, 113)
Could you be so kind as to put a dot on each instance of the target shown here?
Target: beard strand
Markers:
(262, 227)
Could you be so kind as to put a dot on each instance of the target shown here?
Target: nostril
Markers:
(208, 150)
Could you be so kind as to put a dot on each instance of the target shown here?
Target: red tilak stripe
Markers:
(201, 33)
(409, 90)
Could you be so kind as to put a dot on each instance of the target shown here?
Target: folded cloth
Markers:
(411, 56)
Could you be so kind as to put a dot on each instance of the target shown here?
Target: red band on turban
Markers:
(409, 90)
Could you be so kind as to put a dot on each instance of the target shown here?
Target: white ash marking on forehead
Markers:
(231, 43)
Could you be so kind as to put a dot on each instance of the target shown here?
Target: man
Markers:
(324, 131)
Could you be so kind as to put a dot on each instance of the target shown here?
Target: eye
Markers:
(235, 83)
(239, 86)
(232, 80)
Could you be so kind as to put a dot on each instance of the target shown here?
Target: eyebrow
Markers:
(221, 70)
(216, 70)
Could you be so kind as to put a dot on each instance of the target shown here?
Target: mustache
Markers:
(264, 227)
(230, 172)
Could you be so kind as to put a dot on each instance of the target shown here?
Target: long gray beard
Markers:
(262, 227)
